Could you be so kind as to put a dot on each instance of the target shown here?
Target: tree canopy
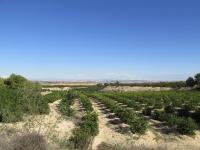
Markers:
(190, 82)
(197, 79)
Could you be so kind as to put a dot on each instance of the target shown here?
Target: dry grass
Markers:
(30, 141)
(105, 146)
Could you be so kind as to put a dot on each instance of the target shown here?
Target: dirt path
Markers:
(107, 133)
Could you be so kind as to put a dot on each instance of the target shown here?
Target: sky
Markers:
(100, 39)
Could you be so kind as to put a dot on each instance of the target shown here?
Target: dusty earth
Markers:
(151, 140)
(135, 88)
(55, 128)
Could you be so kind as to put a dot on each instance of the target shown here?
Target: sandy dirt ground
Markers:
(45, 93)
(57, 129)
(135, 88)
(57, 88)
(153, 139)
(107, 132)
(53, 126)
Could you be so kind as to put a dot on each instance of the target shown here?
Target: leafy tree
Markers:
(20, 96)
(197, 79)
(190, 82)
(16, 81)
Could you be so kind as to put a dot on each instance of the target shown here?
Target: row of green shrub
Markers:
(179, 120)
(85, 102)
(18, 96)
(177, 84)
(137, 123)
(83, 136)
(55, 95)
(184, 125)
(67, 99)
(160, 99)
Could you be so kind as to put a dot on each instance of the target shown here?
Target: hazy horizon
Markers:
(100, 40)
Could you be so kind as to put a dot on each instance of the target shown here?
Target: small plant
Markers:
(186, 126)
(147, 111)
(83, 135)
(159, 115)
(51, 97)
(31, 141)
(169, 109)
(172, 121)
(138, 125)
(65, 104)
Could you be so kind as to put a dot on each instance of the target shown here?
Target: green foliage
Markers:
(190, 82)
(55, 95)
(157, 84)
(90, 124)
(159, 115)
(85, 102)
(18, 97)
(16, 81)
(172, 121)
(197, 79)
(175, 106)
(1, 82)
(66, 102)
(83, 135)
(169, 109)
(137, 123)
(147, 111)
(186, 126)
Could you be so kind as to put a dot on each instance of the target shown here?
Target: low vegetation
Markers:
(55, 95)
(66, 103)
(136, 122)
(179, 109)
(18, 96)
(84, 134)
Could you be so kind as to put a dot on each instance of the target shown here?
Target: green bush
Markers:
(51, 97)
(186, 126)
(172, 121)
(147, 111)
(65, 104)
(169, 109)
(190, 82)
(159, 115)
(83, 135)
(90, 124)
(138, 125)
(85, 102)
(20, 96)
(16, 81)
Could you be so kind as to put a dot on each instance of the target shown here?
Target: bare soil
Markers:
(153, 139)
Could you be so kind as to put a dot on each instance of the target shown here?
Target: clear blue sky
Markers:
(100, 39)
